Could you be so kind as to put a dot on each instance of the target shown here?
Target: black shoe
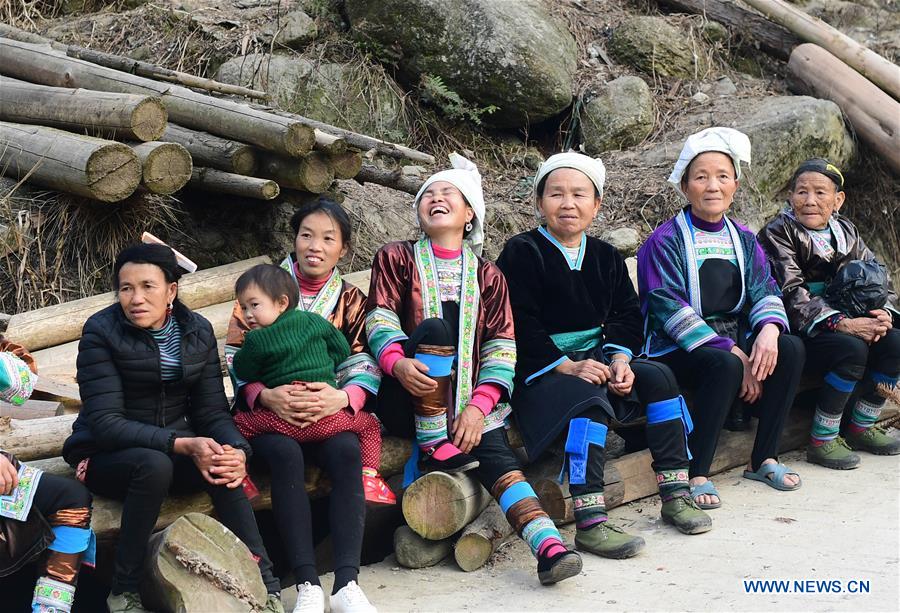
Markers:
(459, 463)
(555, 568)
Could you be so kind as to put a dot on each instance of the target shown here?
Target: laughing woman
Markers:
(714, 313)
(578, 328)
(436, 308)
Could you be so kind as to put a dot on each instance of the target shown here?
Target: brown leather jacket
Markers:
(797, 263)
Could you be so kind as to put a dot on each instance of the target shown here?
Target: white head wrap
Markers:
(729, 141)
(592, 167)
(465, 177)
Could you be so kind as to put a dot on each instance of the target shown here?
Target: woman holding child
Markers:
(301, 398)
(440, 323)
(155, 418)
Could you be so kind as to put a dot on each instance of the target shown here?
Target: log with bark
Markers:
(395, 179)
(43, 64)
(103, 114)
(874, 115)
(555, 496)
(414, 551)
(358, 141)
(880, 71)
(213, 151)
(83, 165)
(218, 181)
(311, 173)
(747, 26)
(197, 564)
(437, 504)
(66, 394)
(61, 323)
(329, 143)
(35, 439)
(480, 538)
(166, 167)
(32, 409)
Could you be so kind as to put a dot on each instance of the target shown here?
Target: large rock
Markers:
(654, 46)
(359, 98)
(783, 131)
(296, 30)
(512, 55)
(619, 117)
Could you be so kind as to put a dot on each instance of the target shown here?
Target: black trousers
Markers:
(142, 478)
(395, 409)
(715, 376)
(340, 457)
(851, 358)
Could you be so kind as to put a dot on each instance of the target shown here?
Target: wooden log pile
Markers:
(100, 126)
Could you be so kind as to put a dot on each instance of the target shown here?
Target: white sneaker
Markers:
(350, 599)
(310, 599)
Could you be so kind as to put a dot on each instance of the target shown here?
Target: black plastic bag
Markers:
(858, 287)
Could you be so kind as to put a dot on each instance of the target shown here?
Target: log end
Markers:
(149, 119)
(244, 161)
(113, 172)
(438, 505)
(269, 190)
(472, 552)
(299, 139)
(554, 500)
(167, 168)
(346, 165)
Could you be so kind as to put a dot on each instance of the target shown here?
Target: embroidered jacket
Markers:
(342, 304)
(566, 304)
(404, 292)
(804, 269)
(669, 286)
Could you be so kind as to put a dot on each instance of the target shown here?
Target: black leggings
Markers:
(143, 478)
(715, 378)
(340, 457)
(851, 358)
(55, 493)
(395, 408)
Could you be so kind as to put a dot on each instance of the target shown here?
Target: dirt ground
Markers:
(840, 526)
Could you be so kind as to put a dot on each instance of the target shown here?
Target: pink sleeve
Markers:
(251, 392)
(357, 396)
(390, 356)
(486, 396)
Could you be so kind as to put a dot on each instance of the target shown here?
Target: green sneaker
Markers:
(874, 440)
(273, 604)
(608, 541)
(683, 513)
(833, 454)
(126, 602)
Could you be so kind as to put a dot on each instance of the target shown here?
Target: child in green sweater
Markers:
(288, 345)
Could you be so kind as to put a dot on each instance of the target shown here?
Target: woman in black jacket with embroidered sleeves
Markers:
(155, 418)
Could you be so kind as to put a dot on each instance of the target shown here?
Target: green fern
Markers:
(450, 103)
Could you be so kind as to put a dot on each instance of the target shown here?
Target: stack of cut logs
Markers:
(101, 132)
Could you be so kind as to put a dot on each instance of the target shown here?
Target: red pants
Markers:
(363, 424)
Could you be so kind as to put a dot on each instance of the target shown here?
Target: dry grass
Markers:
(64, 246)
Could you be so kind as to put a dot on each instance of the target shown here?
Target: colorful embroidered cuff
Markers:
(770, 320)
(720, 342)
(830, 323)
(392, 354)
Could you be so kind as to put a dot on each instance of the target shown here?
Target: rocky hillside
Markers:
(507, 82)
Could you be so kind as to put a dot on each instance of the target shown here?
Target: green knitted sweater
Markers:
(298, 346)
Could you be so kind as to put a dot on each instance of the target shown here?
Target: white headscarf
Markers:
(465, 177)
(592, 167)
(729, 141)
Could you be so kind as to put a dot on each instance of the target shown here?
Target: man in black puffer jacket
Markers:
(155, 419)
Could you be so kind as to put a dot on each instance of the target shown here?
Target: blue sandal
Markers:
(773, 476)
(708, 489)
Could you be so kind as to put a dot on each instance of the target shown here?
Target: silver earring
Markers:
(468, 226)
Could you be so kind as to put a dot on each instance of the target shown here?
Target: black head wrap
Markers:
(821, 166)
